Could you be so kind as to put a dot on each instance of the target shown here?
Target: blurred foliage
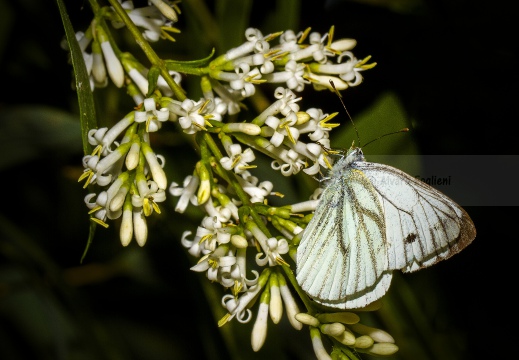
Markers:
(439, 63)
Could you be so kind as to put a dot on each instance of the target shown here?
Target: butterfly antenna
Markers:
(391, 133)
(344, 106)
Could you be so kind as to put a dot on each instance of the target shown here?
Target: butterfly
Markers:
(372, 219)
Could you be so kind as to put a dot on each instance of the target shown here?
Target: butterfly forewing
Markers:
(423, 225)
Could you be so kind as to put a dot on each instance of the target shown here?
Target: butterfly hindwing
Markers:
(342, 258)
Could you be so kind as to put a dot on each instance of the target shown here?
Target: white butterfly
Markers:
(373, 219)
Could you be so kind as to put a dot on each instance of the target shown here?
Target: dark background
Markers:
(452, 64)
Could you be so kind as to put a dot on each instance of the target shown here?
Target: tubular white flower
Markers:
(132, 159)
(165, 9)
(126, 230)
(187, 193)
(139, 80)
(237, 160)
(290, 303)
(150, 19)
(273, 249)
(220, 213)
(116, 203)
(317, 343)
(191, 120)
(275, 305)
(288, 42)
(304, 206)
(156, 170)
(289, 163)
(239, 241)
(343, 44)
(98, 65)
(245, 79)
(259, 330)
(257, 193)
(117, 129)
(95, 136)
(296, 80)
(193, 246)
(164, 87)
(213, 230)
(253, 36)
(217, 108)
(108, 161)
(239, 308)
(151, 115)
(347, 71)
(322, 82)
(140, 228)
(246, 128)
(288, 100)
(115, 68)
(283, 128)
(148, 197)
(215, 260)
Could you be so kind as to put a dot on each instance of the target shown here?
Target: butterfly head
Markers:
(354, 154)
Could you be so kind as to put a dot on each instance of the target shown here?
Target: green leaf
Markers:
(87, 113)
(188, 66)
(85, 96)
(32, 132)
(385, 116)
(232, 33)
(284, 16)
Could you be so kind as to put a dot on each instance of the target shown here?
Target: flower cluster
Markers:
(242, 243)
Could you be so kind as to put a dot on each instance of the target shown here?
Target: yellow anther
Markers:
(100, 222)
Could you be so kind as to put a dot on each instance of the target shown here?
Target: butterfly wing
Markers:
(342, 257)
(423, 225)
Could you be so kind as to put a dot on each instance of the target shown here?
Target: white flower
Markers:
(154, 166)
(259, 330)
(187, 193)
(113, 64)
(237, 159)
(352, 73)
(138, 78)
(193, 246)
(254, 41)
(257, 192)
(282, 128)
(246, 77)
(274, 249)
(290, 303)
(106, 137)
(190, 119)
(216, 108)
(164, 87)
(215, 263)
(288, 42)
(237, 307)
(151, 115)
(289, 162)
(148, 197)
(288, 100)
(212, 233)
(293, 76)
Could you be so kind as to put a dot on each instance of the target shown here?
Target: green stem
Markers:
(148, 50)
(306, 300)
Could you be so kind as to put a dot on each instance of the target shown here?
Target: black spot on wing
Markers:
(409, 239)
